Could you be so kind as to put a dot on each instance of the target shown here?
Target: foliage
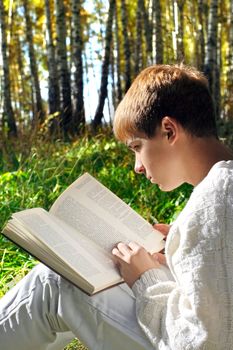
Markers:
(184, 37)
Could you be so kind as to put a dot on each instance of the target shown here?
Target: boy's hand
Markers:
(164, 229)
(133, 260)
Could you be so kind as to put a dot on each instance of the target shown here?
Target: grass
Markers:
(36, 178)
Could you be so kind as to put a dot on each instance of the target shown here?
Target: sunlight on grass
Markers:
(75, 345)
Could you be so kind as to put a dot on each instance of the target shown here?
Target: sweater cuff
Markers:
(148, 279)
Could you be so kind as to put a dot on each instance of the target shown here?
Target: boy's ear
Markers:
(170, 128)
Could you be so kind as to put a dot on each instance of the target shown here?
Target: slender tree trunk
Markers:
(54, 93)
(39, 113)
(156, 10)
(138, 43)
(63, 70)
(118, 48)
(230, 52)
(112, 72)
(77, 40)
(210, 67)
(105, 67)
(127, 51)
(201, 38)
(228, 95)
(147, 30)
(230, 60)
(180, 41)
(8, 111)
(23, 98)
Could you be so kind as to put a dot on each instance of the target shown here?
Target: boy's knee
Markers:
(43, 273)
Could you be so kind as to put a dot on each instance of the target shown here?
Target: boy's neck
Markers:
(202, 155)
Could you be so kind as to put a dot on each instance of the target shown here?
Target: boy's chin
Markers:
(170, 187)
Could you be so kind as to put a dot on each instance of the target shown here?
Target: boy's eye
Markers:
(136, 148)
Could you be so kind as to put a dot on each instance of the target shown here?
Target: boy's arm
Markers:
(190, 312)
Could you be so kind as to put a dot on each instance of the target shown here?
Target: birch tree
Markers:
(118, 50)
(63, 70)
(77, 47)
(105, 68)
(201, 38)
(147, 30)
(178, 6)
(8, 114)
(138, 43)
(39, 115)
(54, 93)
(210, 66)
(157, 25)
(127, 50)
(228, 105)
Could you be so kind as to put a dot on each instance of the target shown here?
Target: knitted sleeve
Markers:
(196, 310)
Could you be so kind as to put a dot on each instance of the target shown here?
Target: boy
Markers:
(167, 119)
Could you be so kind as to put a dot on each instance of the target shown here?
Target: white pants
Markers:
(44, 311)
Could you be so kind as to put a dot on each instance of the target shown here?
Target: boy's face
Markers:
(158, 160)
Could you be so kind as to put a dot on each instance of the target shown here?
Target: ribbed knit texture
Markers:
(194, 309)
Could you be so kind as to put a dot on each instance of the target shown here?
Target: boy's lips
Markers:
(150, 178)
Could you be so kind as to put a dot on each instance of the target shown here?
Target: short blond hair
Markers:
(178, 91)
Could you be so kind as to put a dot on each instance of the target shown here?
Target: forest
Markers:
(56, 55)
(64, 67)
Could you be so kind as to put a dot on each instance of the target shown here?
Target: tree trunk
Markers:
(112, 73)
(105, 67)
(228, 96)
(54, 93)
(180, 41)
(230, 54)
(138, 43)
(156, 11)
(63, 71)
(8, 114)
(119, 88)
(77, 41)
(201, 38)
(210, 67)
(178, 6)
(23, 94)
(147, 30)
(39, 113)
(127, 51)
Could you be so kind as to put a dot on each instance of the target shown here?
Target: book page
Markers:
(58, 243)
(94, 211)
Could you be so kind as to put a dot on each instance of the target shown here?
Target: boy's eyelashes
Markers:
(135, 148)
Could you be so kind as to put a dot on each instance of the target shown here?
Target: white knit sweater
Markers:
(195, 310)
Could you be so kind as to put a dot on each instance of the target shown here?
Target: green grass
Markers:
(35, 178)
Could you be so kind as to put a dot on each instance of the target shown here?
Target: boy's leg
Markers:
(44, 304)
(62, 339)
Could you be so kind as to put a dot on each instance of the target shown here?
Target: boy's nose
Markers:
(138, 167)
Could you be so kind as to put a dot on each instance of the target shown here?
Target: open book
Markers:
(75, 238)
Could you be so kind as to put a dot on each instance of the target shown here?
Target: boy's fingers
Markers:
(163, 228)
(134, 246)
(117, 253)
(160, 258)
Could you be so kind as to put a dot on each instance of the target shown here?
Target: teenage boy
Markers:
(167, 119)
